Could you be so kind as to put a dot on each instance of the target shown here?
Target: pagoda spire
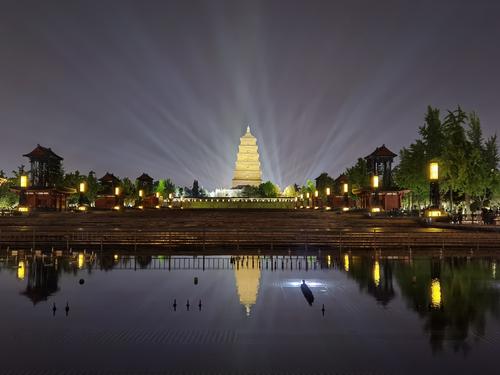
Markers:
(248, 129)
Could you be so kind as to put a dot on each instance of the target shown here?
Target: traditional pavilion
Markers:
(247, 170)
(147, 197)
(110, 193)
(381, 195)
(41, 191)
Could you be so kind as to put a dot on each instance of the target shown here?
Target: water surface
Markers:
(153, 314)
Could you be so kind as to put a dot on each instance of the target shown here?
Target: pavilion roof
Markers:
(109, 177)
(145, 177)
(382, 151)
(342, 178)
(42, 153)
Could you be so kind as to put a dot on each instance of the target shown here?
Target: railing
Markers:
(207, 237)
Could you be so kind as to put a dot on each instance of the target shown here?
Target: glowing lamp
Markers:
(24, 181)
(345, 209)
(141, 193)
(170, 196)
(117, 208)
(327, 191)
(82, 208)
(434, 171)
(375, 182)
(82, 187)
(328, 208)
(346, 188)
(157, 206)
(157, 194)
(115, 257)
(316, 194)
(117, 190)
(375, 209)
(308, 195)
(23, 209)
(141, 207)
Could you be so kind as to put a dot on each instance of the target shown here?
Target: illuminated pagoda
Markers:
(147, 197)
(109, 196)
(42, 190)
(247, 169)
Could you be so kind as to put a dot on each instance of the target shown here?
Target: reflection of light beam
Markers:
(436, 293)
(346, 262)
(310, 284)
(81, 260)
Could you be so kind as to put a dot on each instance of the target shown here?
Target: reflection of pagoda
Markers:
(42, 282)
(247, 285)
(247, 170)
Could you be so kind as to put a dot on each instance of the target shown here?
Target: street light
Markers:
(434, 188)
(23, 206)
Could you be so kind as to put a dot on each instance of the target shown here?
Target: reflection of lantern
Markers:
(434, 171)
(24, 181)
(375, 182)
(436, 293)
(329, 260)
(81, 260)
(346, 262)
(20, 270)
(376, 273)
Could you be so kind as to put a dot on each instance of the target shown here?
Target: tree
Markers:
(250, 191)
(268, 190)
(324, 181)
(290, 191)
(195, 190)
(165, 187)
(358, 175)
(129, 192)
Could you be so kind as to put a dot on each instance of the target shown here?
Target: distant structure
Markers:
(42, 191)
(147, 197)
(247, 169)
(380, 164)
(109, 196)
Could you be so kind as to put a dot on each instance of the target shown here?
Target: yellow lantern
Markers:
(141, 193)
(82, 187)
(434, 171)
(24, 181)
(346, 188)
(375, 182)
(117, 190)
(328, 191)
(316, 194)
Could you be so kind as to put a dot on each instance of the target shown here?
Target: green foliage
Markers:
(290, 191)
(309, 187)
(358, 175)
(268, 190)
(8, 199)
(165, 187)
(250, 191)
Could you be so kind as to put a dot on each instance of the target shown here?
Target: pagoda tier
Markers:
(247, 170)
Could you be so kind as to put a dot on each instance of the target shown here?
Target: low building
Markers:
(109, 196)
(147, 197)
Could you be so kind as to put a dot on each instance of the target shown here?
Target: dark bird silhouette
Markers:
(187, 305)
(175, 305)
(199, 305)
(323, 310)
(308, 295)
(54, 309)
(67, 308)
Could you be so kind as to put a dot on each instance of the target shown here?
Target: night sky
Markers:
(168, 87)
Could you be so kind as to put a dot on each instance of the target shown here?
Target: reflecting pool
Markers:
(335, 312)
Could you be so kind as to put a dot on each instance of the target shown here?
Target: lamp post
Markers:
(141, 197)
(82, 201)
(345, 190)
(328, 201)
(316, 199)
(117, 198)
(23, 201)
(375, 186)
(434, 185)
